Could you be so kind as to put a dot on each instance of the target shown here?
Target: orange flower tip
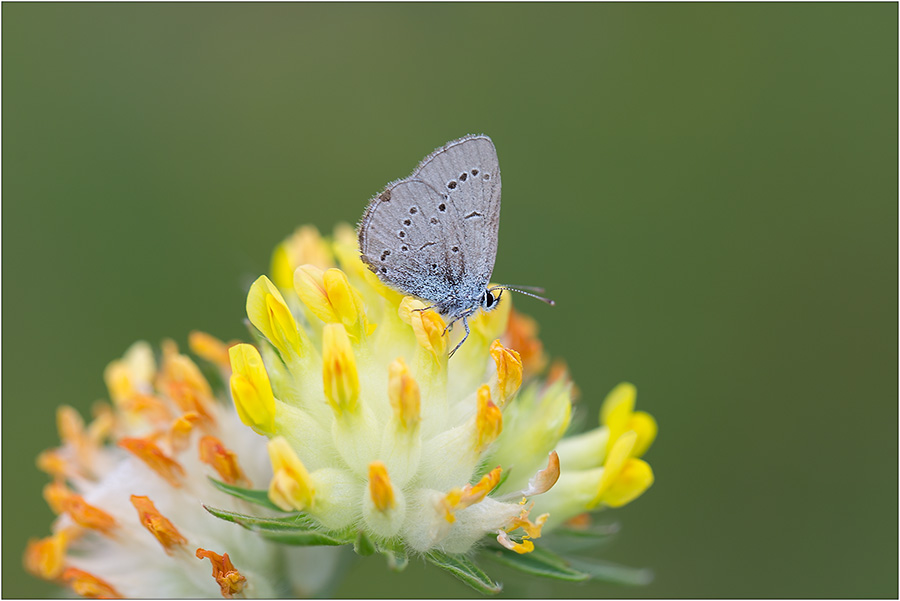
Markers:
(521, 334)
(531, 529)
(488, 421)
(147, 451)
(544, 480)
(52, 462)
(460, 498)
(103, 423)
(147, 407)
(509, 370)
(210, 348)
(87, 515)
(428, 326)
(69, 424)
(229, 579)
(88, 585)
(526, 546)
(180, 432)
(56, 493)
(44, 558)
(380, 488)
(224, 461)
(184, 383)
(157, 524)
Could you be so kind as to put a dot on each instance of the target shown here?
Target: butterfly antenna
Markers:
(550, 302)
(519, 288)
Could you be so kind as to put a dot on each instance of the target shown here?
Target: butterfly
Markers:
(434, 234)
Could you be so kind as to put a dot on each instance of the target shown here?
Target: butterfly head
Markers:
(490, 299)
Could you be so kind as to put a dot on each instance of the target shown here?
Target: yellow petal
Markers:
(270, 315)
(304, 246)
(283, 325)
(339, 375)
(428, 326)
(645, 427)
(380, 489)
(281, 269)
(460, 498)
(403, 391)
(616, 411)
(634, 478)
(345, 301)
(615, 463)
(291, 487)
(309, 283)
(251, 390)
(526, 546)
(618, 403)
(509, 370)
(488, 421)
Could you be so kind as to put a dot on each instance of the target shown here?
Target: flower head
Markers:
(349, 425)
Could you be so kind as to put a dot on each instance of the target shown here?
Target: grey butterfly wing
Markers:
(409, 238)
(468, 172)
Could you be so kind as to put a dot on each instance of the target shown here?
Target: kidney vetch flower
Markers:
(375, 440)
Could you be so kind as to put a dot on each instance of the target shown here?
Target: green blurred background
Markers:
(709, 192)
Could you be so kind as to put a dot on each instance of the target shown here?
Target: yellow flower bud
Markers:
(427, 325)
(305, 245)
(291, 487)
(618, 414)
(380, 488)
(403, 390)
(331, 298)
(615, 462)
(509, 370)
(488, 421)
(339, 375)
(251, 390)
(270, 315)
(636, 477)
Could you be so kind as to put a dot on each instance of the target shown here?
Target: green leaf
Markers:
(296, 529)
(306, 538)
(257, 497)
(363, 545)
(297, 521)
(613, 573)
(461, 567)
(539, 562)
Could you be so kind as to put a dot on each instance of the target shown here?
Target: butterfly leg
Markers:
(465, 320)
(455, 319)
(426, 308)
